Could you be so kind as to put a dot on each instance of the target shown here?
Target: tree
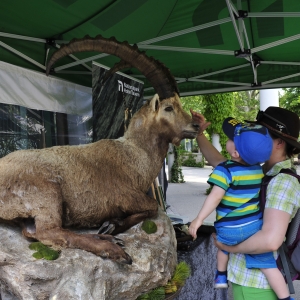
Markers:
(291, 99)
(217, 108)
(194, 102)
(242, 105)
(246, 105)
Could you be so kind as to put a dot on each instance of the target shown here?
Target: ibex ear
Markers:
(154, 103)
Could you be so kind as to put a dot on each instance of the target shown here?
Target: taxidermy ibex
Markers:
(103, 182)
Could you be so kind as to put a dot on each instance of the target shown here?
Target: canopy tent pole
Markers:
(268, 98)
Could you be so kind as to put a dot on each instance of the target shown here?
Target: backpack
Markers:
(288, 260)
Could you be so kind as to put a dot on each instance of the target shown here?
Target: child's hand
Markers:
(194, 227)
(200, 120)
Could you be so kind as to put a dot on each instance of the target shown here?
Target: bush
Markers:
(176, 170)
(207, 192)
(191, 161)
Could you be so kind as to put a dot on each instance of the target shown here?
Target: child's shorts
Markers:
(235, 235)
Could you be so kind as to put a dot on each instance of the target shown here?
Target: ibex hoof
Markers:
(119, 242)
(106, 228)
(125, 260)
(121, 258)
(109, 238)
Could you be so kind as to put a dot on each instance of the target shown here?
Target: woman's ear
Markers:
(280, 143)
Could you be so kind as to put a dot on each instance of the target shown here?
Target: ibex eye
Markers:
(169, 108)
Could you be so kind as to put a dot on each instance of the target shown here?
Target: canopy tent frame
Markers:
(236, 17)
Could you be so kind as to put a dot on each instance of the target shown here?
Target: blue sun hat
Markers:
(251, 140)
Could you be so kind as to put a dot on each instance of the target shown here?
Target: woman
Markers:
(283, 200)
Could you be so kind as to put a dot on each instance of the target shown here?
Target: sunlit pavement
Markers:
(186, 199)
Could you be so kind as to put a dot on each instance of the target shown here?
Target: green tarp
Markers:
(210, 46)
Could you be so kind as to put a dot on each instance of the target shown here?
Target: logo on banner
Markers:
(128, 89)
(121, 88)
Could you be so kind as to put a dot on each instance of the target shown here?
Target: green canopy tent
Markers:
(210, 46)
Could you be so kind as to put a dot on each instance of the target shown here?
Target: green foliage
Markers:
(207, 192)
(149, 226)
(182, 272)
(291, 99)
(191, 161)
(176, 170)
(192, 102)
(217, 108)
(42, 251)
(246, 105)
(195, 147)
(156, 294)
(242, 105)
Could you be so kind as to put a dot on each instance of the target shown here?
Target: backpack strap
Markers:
(266, 180)
(282, 251)
(263, 191)
(286, 268)
(293, 236)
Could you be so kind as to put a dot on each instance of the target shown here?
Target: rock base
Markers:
(78, 274)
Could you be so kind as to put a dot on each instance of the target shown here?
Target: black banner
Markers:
(114, 102)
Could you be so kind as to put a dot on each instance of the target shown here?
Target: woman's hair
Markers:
(289, 149)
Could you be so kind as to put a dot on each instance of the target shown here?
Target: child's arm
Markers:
(210, 204)
(212, 155)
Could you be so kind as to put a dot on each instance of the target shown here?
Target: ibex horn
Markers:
(117, 67)
(156, 72)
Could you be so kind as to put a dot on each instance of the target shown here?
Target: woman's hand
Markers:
(200, 120)
(221, 246)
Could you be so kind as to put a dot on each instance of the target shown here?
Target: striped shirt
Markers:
(240, 204)
(283, 193)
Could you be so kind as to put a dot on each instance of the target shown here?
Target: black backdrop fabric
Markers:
(202, 258)
(110, 100)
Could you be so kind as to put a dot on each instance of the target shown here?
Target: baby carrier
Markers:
(288, 260)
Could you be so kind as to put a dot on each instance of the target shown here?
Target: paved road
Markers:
(186, 199)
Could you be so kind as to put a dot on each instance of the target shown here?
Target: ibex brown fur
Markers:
(84, 186)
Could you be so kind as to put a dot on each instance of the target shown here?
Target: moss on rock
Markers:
(149, 226)
(42, 251)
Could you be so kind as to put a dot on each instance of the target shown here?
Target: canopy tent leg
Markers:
(268, 98)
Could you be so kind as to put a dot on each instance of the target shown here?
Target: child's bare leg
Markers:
(276, 282)
(222, 260)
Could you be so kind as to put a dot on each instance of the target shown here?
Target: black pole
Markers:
(62, 129)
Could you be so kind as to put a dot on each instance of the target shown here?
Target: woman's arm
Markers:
(269, 238)
(210, 204)
(212, 155)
